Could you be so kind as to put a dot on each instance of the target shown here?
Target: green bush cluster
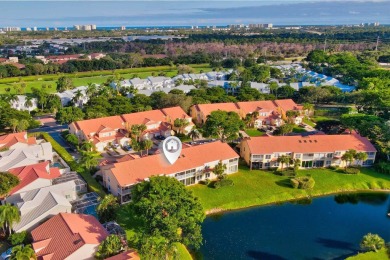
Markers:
(352, 170)
(223, 183)
(383, 167)
(304, 182)
(18, 238)
(93, 185)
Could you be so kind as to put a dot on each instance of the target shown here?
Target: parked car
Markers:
(127, 147)
(6, 255)
(115, 145)
(160, 137)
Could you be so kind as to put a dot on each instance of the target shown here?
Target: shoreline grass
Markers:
(258, 188)
(380, 255)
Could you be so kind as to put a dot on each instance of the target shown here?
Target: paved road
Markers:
(55, 132)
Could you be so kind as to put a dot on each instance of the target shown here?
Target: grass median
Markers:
(256, 187)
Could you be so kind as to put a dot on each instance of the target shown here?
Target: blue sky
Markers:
(201, 12)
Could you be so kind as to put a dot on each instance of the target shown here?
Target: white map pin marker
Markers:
(172, 148)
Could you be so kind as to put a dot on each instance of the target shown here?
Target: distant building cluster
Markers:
(250, 26)
(85, 27)
(11, 29)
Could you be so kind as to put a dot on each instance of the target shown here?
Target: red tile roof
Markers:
(133, 171)
(206, 109)
(128, 255)
(64, 233)
(287, 104)
(93, 125)
(252, 106)
(175, 112)
(30, 173)
(308, 144)
(11, 139)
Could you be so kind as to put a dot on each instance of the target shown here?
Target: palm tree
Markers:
(147, 144)
(28, 103)
(23, 125)
(91, 89)
(181, 124)
(361, 157)
(309, 107)
(13, 122)
(89, 159)
(284, 159)
(111, 246)
(348, 157)
(23, 253)
(9, 215)
(77, 96)
(12, 98)
(372, 242)
(87, 146)
(194, 134)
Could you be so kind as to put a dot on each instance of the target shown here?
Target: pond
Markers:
(323, 228)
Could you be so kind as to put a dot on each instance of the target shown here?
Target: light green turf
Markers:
(298, 129)
(252, 188)
(83, 78)
(380, 255)
(182, 252)
(254, 132)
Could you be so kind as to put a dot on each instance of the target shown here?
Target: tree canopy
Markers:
(169, 212)
(223, 125)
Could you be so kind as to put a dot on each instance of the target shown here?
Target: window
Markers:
(67, 196)
(371, 154)
(268, 156)
(276, 155)
(267, 164)
(288, 154)
(298, 155)
(337, 153)
(207, 175)
(368, 162)
(233, 160)
(328, 163)
(108, 179)
(276, 164)
(233, 168)
(199, 177)
(329, 155)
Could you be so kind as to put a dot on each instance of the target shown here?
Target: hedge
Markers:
(223, 183)
(305, 182)
(93, 185)
(352, 170)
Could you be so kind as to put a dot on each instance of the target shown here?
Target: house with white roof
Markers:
(36, 206)
(139, 83)
(70, 95)
(261, 87)
(160, 82)
(28, 155)
(20, 103)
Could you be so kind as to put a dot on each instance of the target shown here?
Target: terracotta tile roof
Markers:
(64, 233)
(11, 139)
(252, 106)
(308, 144)
(30, 173)
(287, 104)
(206, 109)
(144, 117)
(64, 57)
(128, 255)
(93, 125)
(175, 112)
(133, 171)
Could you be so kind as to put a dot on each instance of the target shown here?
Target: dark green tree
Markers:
(223, 125)
(169, 213)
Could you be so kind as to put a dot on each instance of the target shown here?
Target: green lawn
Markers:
(83, 78)
(380, 255)
(254, 132)
(252, 188)
(309, 122)
(298, 129)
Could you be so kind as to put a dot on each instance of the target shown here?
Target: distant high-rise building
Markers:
(12, 29)
(47, 29)
(123, 28)
(28, 29)
(35, 29)
(84, 27)
(76, 27)
(93, 26)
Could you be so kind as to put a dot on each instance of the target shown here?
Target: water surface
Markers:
(324, 228)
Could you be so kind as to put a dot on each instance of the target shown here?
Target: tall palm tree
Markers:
(9, 215)
(28, 103)
(361, 157)
(89, 159)
(23, 253)
(77, 96)
(284, 159)
(91, 90)
(13, 122)
(194, 134)
(147, 144)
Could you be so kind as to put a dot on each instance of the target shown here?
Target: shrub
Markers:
(294, 183)
(223, 183)
(333, 168)
(205, 182)
(286, 172)
(305, 182)
(18, 238)
(352, 170)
